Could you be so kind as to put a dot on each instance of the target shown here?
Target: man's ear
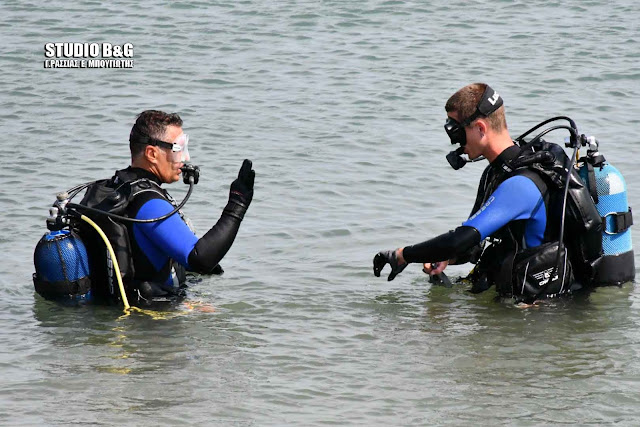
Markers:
(482, 126)
(151, 154)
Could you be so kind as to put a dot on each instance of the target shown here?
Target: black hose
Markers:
(124, 218)
(539, 125)
(564, 209)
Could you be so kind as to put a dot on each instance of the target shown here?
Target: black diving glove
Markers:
(382, 258)
(241, 191)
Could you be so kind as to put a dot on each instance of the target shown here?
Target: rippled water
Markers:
(340, 106)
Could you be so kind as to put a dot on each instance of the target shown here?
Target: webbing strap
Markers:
(621, 221)
(593, 189)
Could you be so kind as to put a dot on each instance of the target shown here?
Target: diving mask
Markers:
(179, 148)
(456, 132)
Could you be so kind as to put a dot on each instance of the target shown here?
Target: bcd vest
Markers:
(549, 269)
(115, 195)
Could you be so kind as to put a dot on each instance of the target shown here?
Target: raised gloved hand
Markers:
(382, 258)
(241, 191)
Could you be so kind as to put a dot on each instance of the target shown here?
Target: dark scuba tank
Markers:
(608, 190)
(61, 260)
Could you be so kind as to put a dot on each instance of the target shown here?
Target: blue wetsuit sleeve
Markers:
(516, 198)
(171, 236)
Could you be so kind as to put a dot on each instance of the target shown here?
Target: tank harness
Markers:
(142, 283)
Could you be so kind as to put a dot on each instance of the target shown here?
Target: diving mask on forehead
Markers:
(489, 102)
(179, 148)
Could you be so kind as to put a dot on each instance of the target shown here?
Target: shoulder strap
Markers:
(143, 185)
(534, 176)
(552, 229)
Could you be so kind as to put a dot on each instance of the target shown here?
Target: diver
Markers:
(157, 253)
(515, 232)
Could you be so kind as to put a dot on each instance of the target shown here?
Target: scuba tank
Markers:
(61, 260)
(608, 190)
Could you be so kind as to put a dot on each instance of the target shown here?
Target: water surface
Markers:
(340, 106)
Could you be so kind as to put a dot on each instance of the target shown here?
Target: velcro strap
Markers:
(621, 221)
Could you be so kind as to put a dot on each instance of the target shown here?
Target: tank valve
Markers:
(58, 219)
(592, 145)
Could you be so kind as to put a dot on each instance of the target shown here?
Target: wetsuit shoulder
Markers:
(168, 238)
(516, 198)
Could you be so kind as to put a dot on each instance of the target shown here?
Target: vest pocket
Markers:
(539, 272)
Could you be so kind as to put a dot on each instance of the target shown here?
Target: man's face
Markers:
(169, 170)
(473, 148)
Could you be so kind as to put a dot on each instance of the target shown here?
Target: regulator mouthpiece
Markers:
(190, 173)
(455, 158)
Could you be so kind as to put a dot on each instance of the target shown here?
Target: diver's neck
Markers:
(500, 143)
(143, 164)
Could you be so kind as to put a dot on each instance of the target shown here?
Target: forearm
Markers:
(214, 245)
(448, 246)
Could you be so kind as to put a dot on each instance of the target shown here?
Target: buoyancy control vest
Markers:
(548, 269)
(141, 280)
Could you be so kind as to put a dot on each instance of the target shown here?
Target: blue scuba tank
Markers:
(608, 190)
(62, 264)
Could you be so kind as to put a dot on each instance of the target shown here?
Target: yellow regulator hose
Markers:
(127, 308)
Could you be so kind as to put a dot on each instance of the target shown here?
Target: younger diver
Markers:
(513, 209)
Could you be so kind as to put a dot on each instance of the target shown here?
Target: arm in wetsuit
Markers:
(516, 198)
(172, 238)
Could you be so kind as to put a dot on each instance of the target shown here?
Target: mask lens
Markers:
(456, 132)
(180, 149)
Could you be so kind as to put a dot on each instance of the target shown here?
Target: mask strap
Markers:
(489, 102)
(137, 137)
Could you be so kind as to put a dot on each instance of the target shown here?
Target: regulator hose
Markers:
(135, 220)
